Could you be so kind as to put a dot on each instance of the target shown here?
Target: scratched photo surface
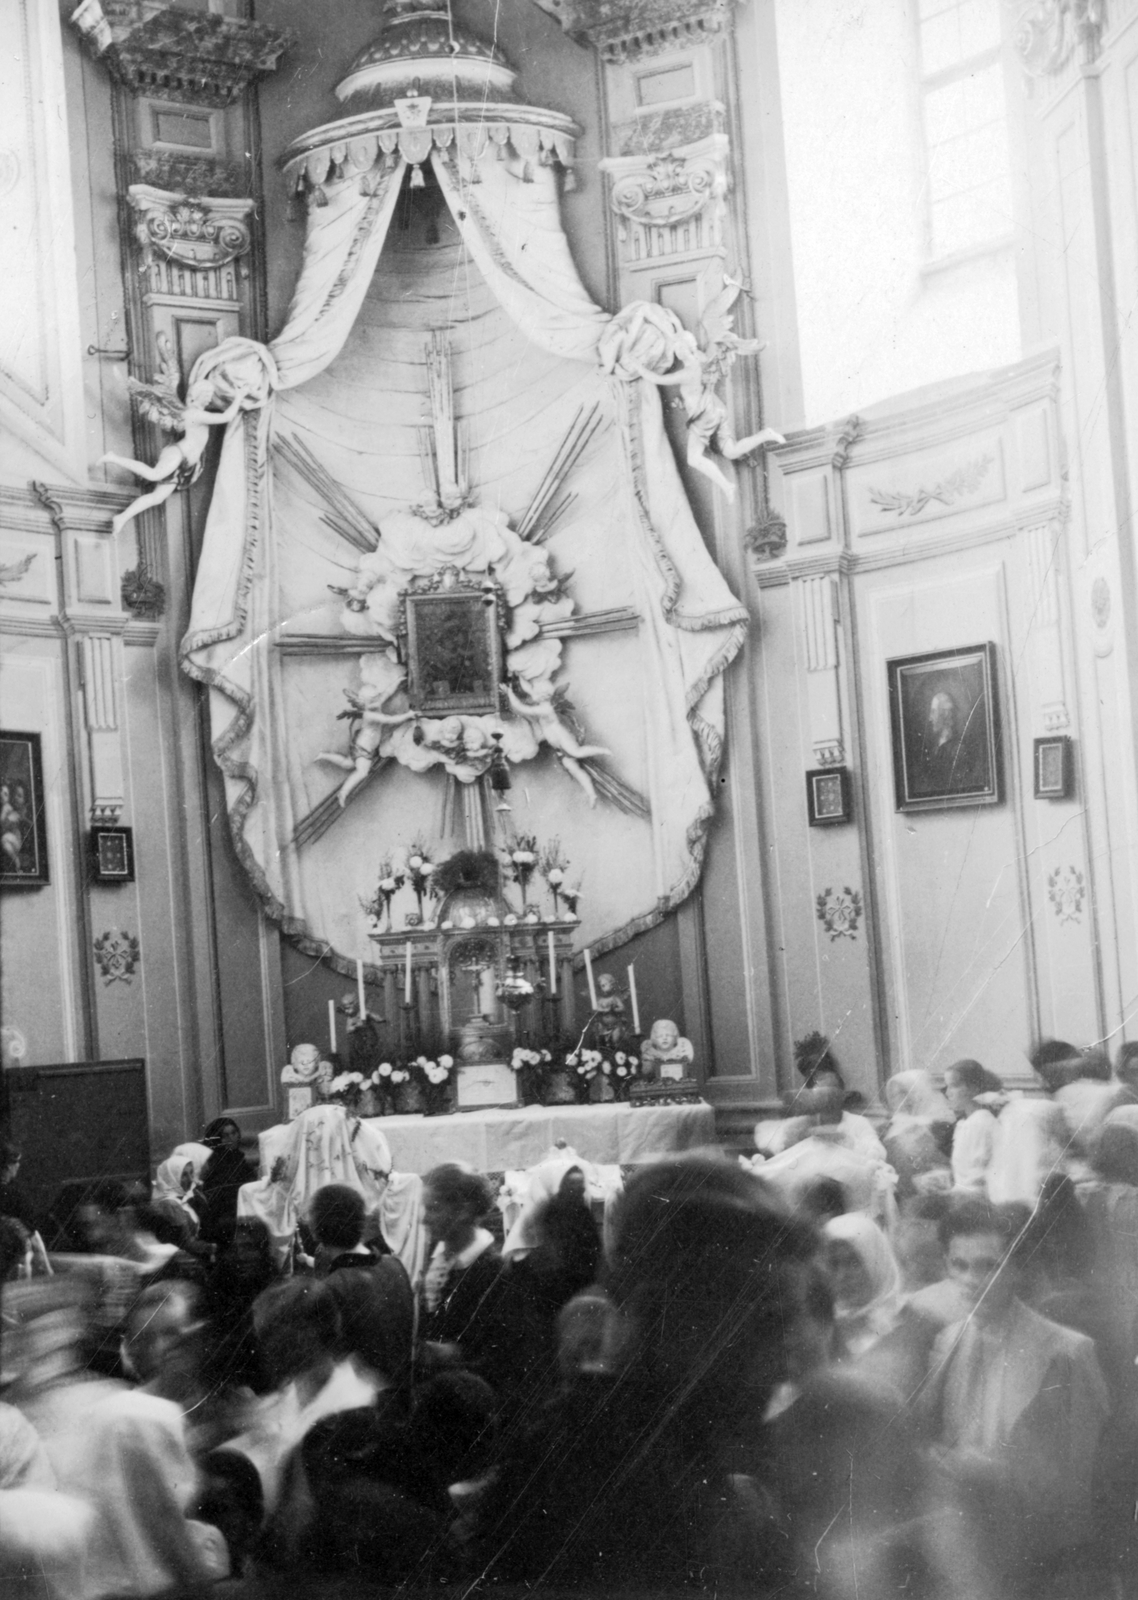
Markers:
(569, 799)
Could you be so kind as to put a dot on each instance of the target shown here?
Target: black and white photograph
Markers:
(569, 816)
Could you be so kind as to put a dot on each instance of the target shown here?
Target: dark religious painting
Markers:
(454, 652)
(23, 833)
(946, 731)
(1054, 768)
(828, 796)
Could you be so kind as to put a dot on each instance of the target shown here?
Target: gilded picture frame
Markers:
(453, 641)
(23, 824)
(945, 723)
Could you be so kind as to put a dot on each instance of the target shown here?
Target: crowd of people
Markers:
(872, 1359)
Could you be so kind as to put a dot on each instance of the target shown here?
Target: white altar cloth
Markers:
(496, 1141)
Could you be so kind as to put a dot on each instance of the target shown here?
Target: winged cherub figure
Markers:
(703, 368)
(549, 729)
(178, 463)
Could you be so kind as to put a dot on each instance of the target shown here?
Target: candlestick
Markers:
(407, 977)
(360, 988)
(592, 984)
(552, 963)
(331, 1027)
(632, 997)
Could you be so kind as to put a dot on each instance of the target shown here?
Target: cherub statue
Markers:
(665, 1054)
(306, 1077)
(609, 1022)
(178, 464)
(365, 737)
(549, 729)
(703, 368)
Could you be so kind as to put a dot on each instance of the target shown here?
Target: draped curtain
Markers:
(654, 699)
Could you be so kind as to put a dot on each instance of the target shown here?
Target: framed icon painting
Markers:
(946, 729)
(23, 827)
(827, 796)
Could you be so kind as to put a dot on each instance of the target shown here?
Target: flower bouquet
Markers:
(420, 869)
(433, 1078)
(522, 856)
(532, 1070)
(584, 1068)
(621, 1071)
(378, 908)
(346, 1089)
(553, 866)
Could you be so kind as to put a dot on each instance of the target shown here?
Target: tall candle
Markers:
(360, 988)
(632, 997)
(552, 963)
(407, 977)
(332, 1027)
(589, 975)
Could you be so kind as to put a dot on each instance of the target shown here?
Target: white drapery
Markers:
(346, 378)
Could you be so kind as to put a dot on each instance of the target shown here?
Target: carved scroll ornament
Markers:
(195, 233)
(673, 189)
(1048, 32)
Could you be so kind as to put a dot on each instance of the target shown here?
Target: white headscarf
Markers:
(914, 1095)
(1032, 1140)
(866, 1323)
(168, 1180)
(545, 1181)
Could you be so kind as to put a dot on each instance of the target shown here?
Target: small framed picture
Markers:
(828, 796)
(946, 729)
(1054, 768)
(112, 855)
(23, 828)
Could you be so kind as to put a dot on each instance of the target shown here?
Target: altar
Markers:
(498, 1141)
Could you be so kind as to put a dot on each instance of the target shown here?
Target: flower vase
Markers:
(408, 1099)
(582, 1088)
(368, 1105)
(437, 1099)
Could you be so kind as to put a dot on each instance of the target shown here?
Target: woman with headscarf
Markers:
(918, 1139)
(1030, 1144)
(866, 1282)
(177, 1184)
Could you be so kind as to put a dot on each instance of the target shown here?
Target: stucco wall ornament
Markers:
(839, 912)
(199, 233)
(1048, 32)
(117, 955)
(696, 365)
(1066, 890)
(964, 480)
(624, 30)
(198, 57)
(673, 189)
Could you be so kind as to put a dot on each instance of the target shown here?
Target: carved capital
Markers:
(767, 539)
(672, 202)
(200, 233)
(625, 30)
(193, 56)
(1048, 33)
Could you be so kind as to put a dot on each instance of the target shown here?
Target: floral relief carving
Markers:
(839, 911)
(117, 955)
(1066, 890)
(964, 480)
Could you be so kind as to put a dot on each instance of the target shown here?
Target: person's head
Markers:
(297, 1325)
(858, 1262)
(15, 1244)
(10, 1157)
(1115, 1153)
(162, 1342)
(1055, 1062)
(336, 1215)
(823, 1199)
(963, 1081)
(573, 1185)
(1057, 1240)
(105, 1217)
(981, 1245)
(454, 1422)
(814, 1058)
(1094, 1064)
(943, 717)
(222, 1134)
(708, 1272)
(917, 1242)
(454, 1202)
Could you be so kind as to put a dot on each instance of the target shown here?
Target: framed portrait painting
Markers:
(946, 729)
(23, 831)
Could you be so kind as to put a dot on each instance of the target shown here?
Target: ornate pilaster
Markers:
(1044, 543)
(671, 202)
(99, 671)
(818, 619)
